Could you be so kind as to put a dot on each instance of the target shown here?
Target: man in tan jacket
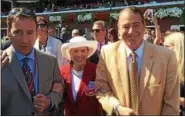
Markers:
(158, 87)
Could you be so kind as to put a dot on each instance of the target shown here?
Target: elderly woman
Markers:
(175, 41)
(79, 75)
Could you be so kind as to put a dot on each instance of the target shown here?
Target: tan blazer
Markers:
(159, 86)
(16, 98)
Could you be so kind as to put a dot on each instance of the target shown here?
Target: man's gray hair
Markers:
(100, 22)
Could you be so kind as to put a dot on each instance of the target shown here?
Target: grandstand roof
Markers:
(27, 1)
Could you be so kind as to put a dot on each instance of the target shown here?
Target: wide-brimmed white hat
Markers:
(78, 41)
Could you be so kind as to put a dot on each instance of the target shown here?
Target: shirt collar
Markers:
(20, 56)
(139, 51)
(103, 43)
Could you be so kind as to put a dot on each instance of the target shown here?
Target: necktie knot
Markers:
(25, 60)
(133, 56)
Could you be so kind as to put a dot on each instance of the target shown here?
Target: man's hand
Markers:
(41, 102)
(182, 101)
(4, 58)
(57, 87)
(126, 111)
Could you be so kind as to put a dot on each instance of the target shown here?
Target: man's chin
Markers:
(132, 46)
(25, 51)
(80, 62)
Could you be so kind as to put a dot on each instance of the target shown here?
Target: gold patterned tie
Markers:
(134, 83)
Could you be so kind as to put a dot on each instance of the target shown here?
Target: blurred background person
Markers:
(175, 41)
(75, 32)
(99, 32)
(52, 32)
(47, 43)
(148, 36)
(64, 35)
(112, 35)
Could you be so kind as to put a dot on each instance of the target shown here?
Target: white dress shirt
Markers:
(139, 53)
(53, 47)
(76, 80)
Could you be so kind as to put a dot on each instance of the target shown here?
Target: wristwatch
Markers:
(115, 109)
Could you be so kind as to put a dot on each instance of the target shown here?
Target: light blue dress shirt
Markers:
(139, 53)
(31, 63)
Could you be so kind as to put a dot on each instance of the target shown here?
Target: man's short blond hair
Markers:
(75, 31)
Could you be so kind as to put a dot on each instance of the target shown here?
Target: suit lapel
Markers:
(41, 73)
(68, 78)
(49, 46)
(16, 70)
(122, 67)
(147, 63)
(84, 82)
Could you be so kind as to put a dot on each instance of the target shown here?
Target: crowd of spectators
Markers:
(102, 4)
(58, 6)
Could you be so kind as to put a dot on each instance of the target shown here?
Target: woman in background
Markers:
(175, 41)
(112, 35)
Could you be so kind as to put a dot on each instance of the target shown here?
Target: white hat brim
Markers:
(65, 49)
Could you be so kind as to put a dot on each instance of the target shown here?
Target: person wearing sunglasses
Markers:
(99, 34)
(30, 80)
(47, 43)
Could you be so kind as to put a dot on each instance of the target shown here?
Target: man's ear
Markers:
(9, 32)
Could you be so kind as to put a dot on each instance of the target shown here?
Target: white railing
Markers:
(113, 8)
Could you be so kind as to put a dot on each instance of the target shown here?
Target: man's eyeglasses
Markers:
(23, 11)
(96, 30)
(42, 25)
